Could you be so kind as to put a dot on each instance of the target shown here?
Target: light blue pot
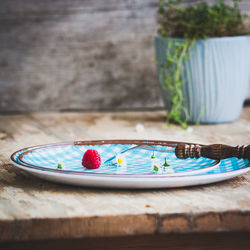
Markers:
(215, 77)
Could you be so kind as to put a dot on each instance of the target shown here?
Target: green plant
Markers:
(171, 81)
(190, 23)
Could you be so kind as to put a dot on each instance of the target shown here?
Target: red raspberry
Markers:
(91, 159)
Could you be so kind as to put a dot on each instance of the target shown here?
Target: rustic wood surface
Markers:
(193, 241)
(79, 54)
(34, 209)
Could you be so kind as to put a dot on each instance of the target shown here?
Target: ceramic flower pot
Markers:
(215, 77)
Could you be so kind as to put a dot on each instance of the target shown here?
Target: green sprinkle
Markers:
(166, 164)
(153, 155)
(156, 168)
(59, 166)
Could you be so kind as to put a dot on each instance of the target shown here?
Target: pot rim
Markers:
(223, 38)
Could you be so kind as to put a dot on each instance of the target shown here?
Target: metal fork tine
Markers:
(139, 146)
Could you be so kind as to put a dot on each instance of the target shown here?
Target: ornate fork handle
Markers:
(214, 151)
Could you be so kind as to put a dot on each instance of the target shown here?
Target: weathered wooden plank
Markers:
(222, 241)
(31, 7)
(57, 62)
(34, 7)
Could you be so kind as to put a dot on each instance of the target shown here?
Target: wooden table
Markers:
(34, 212)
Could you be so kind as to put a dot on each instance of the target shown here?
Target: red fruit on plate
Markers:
(91, 159)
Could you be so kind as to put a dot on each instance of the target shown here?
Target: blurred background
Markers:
(79, 54)
(62, 54)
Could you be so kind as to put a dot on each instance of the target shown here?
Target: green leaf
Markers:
(165, 163)
(59, 166)
(156, 168)
(153, 155)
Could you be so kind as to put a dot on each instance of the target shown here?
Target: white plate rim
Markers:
(132, 182)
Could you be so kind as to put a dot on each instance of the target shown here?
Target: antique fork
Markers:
(213, 151)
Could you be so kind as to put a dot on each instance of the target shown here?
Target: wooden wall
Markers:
(78, 54)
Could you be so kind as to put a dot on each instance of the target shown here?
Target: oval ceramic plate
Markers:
(42, 161)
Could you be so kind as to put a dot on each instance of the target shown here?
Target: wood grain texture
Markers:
(212, 151)
(211, 241)
(80, 54)
(33, 209)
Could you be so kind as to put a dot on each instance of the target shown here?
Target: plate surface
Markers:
(42, 161)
